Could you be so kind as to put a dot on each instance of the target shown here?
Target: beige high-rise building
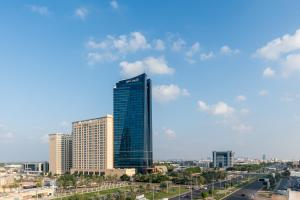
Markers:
(93, 145)
(60, 149)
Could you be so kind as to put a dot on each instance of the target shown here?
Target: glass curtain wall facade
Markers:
(133, 123)
(223, 159)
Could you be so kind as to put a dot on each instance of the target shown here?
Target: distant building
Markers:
(92, 145)
(204, 164)
(6, 179)
(295, 173)
(120, 172)
(36, 167)
(160, 169)
(133, 124)
(223, 159)
(60, 150)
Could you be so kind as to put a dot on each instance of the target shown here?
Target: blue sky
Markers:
(225, 73)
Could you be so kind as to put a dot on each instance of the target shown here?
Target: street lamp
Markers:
(179, 192)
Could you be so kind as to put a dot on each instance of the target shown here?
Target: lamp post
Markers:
(179, 192)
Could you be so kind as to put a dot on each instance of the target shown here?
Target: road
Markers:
(196, 193)
(246, 192)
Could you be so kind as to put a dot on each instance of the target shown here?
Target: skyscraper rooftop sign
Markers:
(132, 80)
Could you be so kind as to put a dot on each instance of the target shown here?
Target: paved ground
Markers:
(283, 184)
(247, 192)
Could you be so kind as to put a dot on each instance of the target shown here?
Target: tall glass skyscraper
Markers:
(133, 123)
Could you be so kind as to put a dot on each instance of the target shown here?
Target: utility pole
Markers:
(152, 187)
(179, 192)
(213, 186)
(167, 187)
(152, 191)
(191, 192)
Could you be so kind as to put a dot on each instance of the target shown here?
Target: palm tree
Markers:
(132, 192)
(4, 188)
(99, 180)
(148, 187)
(141, 189)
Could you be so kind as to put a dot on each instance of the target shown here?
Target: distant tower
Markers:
(264, 158)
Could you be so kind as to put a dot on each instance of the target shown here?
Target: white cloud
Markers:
(44, 139)
(263, 93)
(229, 118)
(159, 45)
(221, 108)
(81, 13)
(276, 48)
(169, 133)
(130, 43)
(207, 56)
(288, 98)
(97, 57)
(244, 111)
(41, 10)
(226, 50)
(203, 106)
(178, 44)
(166, 93)
(284, 51)
(268, 72)
(65, 124)
(242, 127)
(194, 49)
(123, 44)
(241, 98)
(291, 64)
(114, 4)
(150, 65)
(6, 136)
(92, 44)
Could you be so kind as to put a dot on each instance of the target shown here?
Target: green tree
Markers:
(210, 191)
(204, 195)
(193, 170)
(125, 177)
(201, 180)
(163, 186)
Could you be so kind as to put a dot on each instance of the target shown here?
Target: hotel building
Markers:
(60, 150)
(92, 145)
(133, 124)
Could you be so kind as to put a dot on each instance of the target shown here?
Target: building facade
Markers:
(60, 149)
(36, 167)
(223, 159)
(133, 123)
(92, 145)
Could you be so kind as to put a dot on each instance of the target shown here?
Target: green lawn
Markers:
(158, 194)
(174, 191)
(91, 194)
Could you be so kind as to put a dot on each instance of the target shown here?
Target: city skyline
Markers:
(223, 77)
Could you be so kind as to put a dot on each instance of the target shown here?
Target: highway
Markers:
(196, 193)
(247, 192)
